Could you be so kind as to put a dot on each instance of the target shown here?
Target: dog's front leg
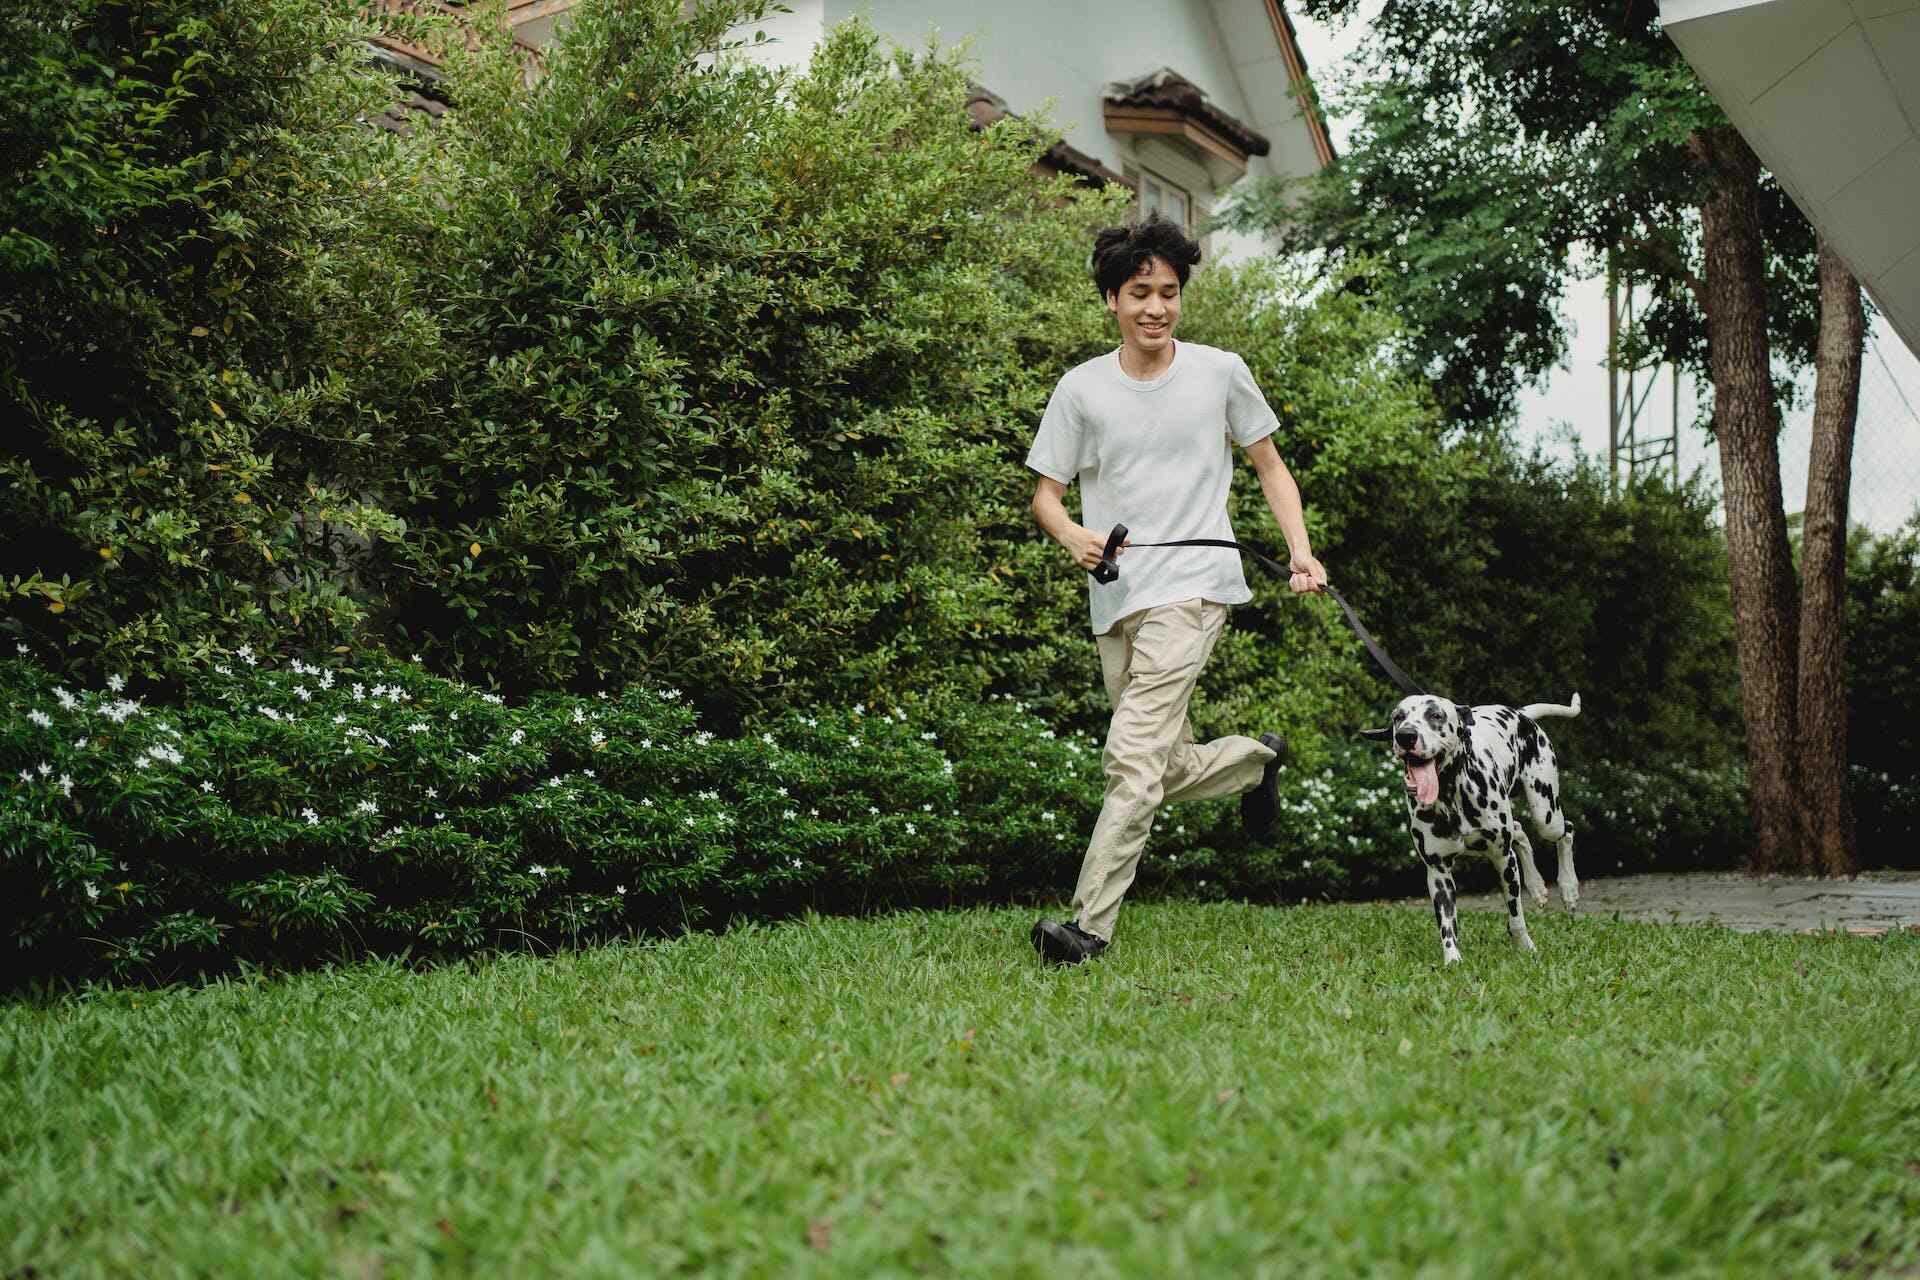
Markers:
(1440, 889)
(1510, 879)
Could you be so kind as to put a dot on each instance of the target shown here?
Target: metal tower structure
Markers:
(1629, 386)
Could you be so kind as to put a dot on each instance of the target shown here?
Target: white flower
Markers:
(93, 892)
(911, 830)
(670, 694)
(20, 649)
(67, 701)
(26, 775)
(538, 871)
(46, 770)
(517, 737)
(116, 683)
(367, 807)
(141, 762)
(244, 651)
(79, 744)
(703, 737)
(553, 782)
(687, 821)
(207, 787)
(853, 741)
(418, 726)
(300, 692)
(767, 738)
(223, 668)
(859, 708)
(66, 784)
(646, 802)
(795, 863)
(439, 817)
(619, 888)
(709, 795)
(416, 657)
(813, 813)
(596, 737)
(313, 819)
(926, 808)
(359, 693)
(41, 718)
(810, 722)
(579, 715)
(646, 743)
(789, 815)
(781, 790)
(268, 712)
(1046, 815)
(588, 773)
(926, 737)
(871, 809)
(433, 793)
(494, 698)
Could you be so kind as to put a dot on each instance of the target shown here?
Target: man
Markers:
(1145, 431)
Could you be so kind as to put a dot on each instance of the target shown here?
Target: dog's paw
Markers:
(1569, 895)
(1450, 956)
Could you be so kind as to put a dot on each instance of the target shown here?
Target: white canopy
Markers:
(1828, 94)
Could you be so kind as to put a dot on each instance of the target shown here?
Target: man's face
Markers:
(1148, 307)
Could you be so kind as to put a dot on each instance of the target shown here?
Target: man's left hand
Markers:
(1309, 575)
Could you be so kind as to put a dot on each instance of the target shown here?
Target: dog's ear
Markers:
(1375, 735)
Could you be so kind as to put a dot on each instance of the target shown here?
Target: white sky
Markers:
(1570, 409)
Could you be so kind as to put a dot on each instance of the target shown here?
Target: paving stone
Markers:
(1873, 904)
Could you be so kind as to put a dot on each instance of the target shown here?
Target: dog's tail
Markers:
(1535, 710)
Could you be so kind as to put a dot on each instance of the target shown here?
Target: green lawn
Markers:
(1231, 1091)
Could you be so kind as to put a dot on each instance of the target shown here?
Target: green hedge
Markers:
(283, 814)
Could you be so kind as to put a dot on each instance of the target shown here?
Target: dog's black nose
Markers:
(1407, 738)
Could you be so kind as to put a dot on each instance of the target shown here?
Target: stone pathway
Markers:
(1875, 903)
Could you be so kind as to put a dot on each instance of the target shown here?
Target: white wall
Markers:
(790, 36)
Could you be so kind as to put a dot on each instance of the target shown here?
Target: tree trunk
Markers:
(1759, 561)
(1823, 573)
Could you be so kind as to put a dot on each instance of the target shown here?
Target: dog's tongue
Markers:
(1423, 779)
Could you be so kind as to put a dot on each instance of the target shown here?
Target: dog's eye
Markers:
(1433, 718)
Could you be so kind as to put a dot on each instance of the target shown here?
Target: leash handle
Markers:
(1108, 570)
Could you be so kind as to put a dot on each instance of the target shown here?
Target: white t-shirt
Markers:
(1155, 457)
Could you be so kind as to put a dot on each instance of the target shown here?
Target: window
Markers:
(1157, 194)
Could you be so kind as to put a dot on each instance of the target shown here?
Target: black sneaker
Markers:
(1065, 943)
(1260, 806)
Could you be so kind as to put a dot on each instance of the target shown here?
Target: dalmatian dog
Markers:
(1463, 764)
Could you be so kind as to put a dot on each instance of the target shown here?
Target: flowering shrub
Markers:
(281, 813)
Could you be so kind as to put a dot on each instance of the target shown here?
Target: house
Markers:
(1178, 100)
(1827, 92)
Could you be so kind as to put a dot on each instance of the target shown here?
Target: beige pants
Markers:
(1152, 660)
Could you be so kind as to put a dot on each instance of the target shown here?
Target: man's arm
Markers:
(1283, 499)
(1083, 544)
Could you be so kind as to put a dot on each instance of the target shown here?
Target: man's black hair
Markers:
(1120, 252)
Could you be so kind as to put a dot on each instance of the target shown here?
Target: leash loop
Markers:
(1108, 570)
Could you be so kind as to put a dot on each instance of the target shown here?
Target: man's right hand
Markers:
(1088, 548)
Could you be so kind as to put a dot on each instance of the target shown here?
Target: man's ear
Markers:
(1375, 735)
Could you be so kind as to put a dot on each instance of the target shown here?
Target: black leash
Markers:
(1109, 569)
